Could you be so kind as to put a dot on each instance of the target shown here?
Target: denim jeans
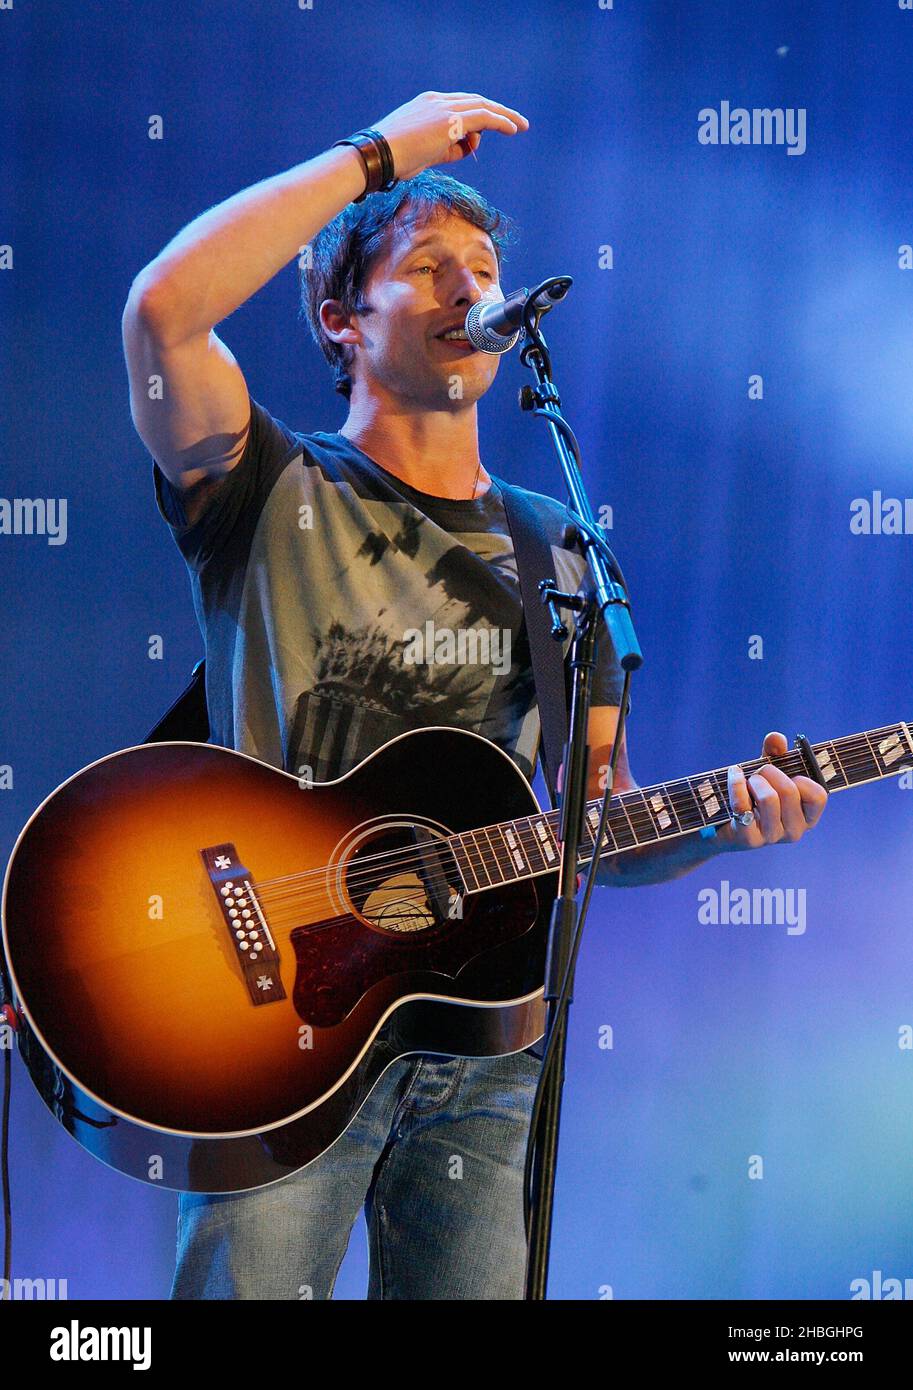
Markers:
(435, 1156)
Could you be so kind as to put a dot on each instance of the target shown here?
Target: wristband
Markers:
(377, 158)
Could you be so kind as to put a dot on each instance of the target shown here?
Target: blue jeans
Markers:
(435, 1156)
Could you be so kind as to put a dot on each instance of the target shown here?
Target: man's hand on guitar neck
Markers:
(784, 807)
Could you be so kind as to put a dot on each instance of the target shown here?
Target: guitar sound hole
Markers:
(398, 885)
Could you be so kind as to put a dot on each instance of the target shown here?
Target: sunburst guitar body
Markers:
(215, 962)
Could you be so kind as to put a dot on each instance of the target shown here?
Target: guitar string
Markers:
(280, 902)
(366, 870)
(421, 911)
(632, 800)
(367, 875)
(285, 920)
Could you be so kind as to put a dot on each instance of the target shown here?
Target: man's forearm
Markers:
(655, 863)
(227, 254)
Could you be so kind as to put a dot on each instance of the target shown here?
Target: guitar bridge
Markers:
(251, 937)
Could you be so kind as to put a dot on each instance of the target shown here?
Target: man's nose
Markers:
(466, 287)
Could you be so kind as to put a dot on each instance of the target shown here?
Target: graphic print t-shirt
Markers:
(323, 584)
(341, 607)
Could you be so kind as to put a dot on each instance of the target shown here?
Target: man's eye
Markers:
(418, 269)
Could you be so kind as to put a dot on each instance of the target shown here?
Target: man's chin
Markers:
(463, 382)
(446, 399)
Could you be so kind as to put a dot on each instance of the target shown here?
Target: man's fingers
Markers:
(814, 798)
(482, 119)
(785, 807)
(739, 795)
(462, 101)
(740, 800)
(775, 745)
(768, 804)
(789, 800)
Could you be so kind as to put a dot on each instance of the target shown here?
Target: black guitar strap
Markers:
(534, 562)
(188, 717)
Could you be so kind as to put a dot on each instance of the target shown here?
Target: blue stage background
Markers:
(730, 515)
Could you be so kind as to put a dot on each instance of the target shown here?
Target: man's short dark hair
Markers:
(344, 252)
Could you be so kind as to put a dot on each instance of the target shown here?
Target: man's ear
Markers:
(337, 324)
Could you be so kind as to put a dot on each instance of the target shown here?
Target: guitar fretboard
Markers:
(497, 854)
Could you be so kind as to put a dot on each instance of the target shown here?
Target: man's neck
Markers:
(433, 451)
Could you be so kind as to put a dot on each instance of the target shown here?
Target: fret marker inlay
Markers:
(545, 837)
(709, 797)
(890, 749)
(515, 850)
(826, 764)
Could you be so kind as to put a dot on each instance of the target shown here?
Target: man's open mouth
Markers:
(456, 334)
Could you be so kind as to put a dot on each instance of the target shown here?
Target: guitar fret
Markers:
(514, 847)
(648, 831)
(846, 780)
(639, 815)
(698, 804)
(825, 754)
(489, 855)
(875, 763)
(708, 799)
(588, 834)
(890, 749)
(749, 768)
(886, 756)
(675, 809)
(543, 831)
(664, 811)
(533, 846)
(622, 827)
(687, 811)
(478, 862)
(456, 842)
(526, 847)
(503, 859)
(591, 822)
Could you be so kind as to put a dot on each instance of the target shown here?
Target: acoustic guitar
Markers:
(213, 961)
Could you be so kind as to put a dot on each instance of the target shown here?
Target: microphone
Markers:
(495, 326)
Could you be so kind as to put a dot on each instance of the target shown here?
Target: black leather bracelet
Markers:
(386, 154)
(377, 158)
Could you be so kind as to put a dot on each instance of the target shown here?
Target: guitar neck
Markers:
(497, 854)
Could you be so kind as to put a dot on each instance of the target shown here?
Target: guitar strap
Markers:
(534, 562)
(188, 718)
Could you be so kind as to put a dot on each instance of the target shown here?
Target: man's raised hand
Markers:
(441, 127)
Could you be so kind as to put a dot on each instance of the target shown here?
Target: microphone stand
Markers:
(608, 599)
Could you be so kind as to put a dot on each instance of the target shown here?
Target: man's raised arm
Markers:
(196, 426)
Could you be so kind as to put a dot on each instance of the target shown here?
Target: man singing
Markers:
(312, 557)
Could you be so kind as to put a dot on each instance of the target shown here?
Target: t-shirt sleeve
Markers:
(237, 500)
